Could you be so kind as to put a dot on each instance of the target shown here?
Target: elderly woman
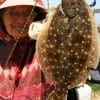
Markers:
(20, 74)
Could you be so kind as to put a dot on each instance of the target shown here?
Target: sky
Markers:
(56, 2)
(53, 3)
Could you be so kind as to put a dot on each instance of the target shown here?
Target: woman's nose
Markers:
(21, 19)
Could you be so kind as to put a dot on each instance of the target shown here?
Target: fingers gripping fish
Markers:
(65, 48)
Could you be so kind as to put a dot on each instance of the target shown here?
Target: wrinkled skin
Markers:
(65, 50)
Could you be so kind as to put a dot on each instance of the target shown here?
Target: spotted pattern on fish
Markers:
(64, 50)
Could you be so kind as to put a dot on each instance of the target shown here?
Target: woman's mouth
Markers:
(20, 28)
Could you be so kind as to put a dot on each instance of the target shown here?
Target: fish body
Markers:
(65, 50)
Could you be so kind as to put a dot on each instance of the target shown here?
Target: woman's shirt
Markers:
(22, 78)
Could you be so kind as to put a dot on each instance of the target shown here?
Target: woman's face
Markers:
(15, 18)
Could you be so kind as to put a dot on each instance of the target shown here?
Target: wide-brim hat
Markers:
(9, 3)
(38, 3)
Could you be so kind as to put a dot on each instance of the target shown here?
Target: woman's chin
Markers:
(19, 37)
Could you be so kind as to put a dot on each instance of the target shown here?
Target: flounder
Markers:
(68, 47)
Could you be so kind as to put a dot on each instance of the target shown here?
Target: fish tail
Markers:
(58, 94)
